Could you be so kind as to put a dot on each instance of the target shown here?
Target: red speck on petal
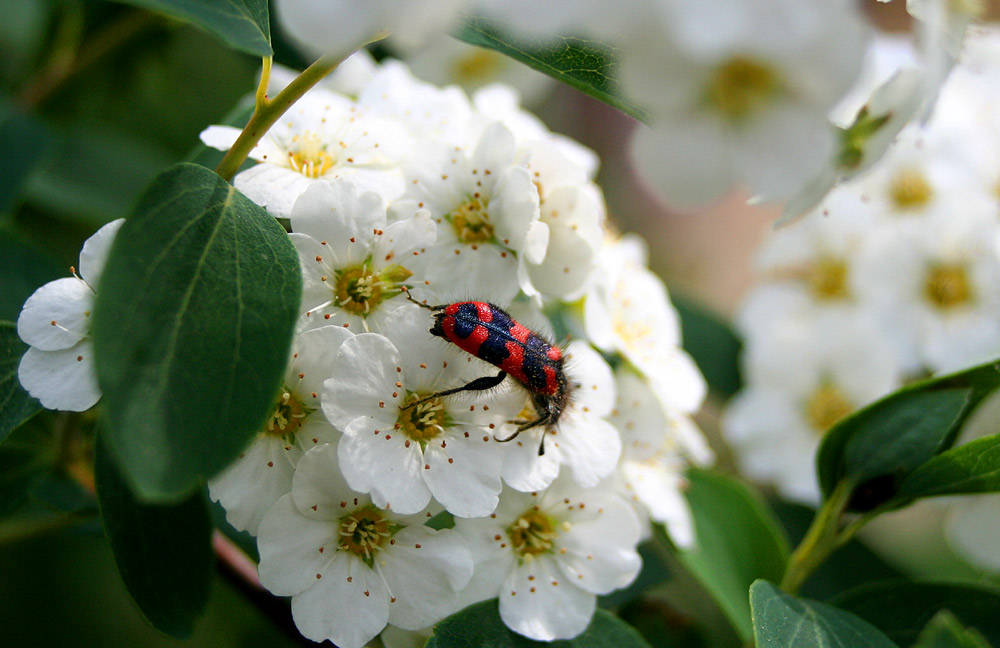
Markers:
(270, 464)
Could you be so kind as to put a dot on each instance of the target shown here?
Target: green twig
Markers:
(822, 538)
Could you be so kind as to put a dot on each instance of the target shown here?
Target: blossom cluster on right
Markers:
(892, 278)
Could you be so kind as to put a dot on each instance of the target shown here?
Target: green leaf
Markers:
(739, 541)
(588, 65)
(877, 447)
(901, 608)
(480, 626)
(970, 468)
(713, 345)
(16, 406)
(193, 322)
(784, 621)
(243, 24)
(163, 551)
(945, 631)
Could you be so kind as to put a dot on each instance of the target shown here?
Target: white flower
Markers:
(403, 453)
(354, 263)
(657, 448)
(342, 26)
(547, 555)
(351, 567)
(803, 375)
(322, 137)
(582, 440)
(432, 115)
(628, 311)
(934, 286)
(58, 368)
(573, 210)
(263, 472)
(972, 528)
(739, 93)
(486, 208)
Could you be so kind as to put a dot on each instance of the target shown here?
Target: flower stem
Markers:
(822, 538)
(268, 111)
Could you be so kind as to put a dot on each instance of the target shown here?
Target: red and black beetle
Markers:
(488, 332)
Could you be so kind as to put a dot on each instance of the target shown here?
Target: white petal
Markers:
(387, 465)
(524, 469)
(319, 490)
(592, 380)
(513, 208)
(273, 187)
(349, 605)
(61, 380)
(601, 553)
(255, 481)
(95, 252)
(556, 609)
(289, 546)
(57, 315)
(220, 137)
(425, 570)
(590, 447)
(364, 375)
(401, 238)
(336, 212)
(315, 352)
(465, 475)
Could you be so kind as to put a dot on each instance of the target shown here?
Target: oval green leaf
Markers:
(945, 631)
(784, 621)
(901, 608)
(163, 551)
(16, 406)
(738, 541)
(243, 24)
(192, 328)
(588, 65)
(970, 468)
(480, 626)
(877, 447)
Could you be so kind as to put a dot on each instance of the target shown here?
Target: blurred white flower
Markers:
(802, 377)
(739, 93)
(351, 567)
(58, 368)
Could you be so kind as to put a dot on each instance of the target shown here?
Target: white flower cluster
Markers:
(402, 187)
(893, 277)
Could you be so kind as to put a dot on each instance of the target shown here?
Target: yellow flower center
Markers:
(826, 406)
(363, 531)
(288, 415)
(423, 421)
(947, 286)
(471, 221)
(909, 189)
(310, 157)
(477, 67)
(741, 86)
(827, 279)
(533, 533)
(358, 290)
